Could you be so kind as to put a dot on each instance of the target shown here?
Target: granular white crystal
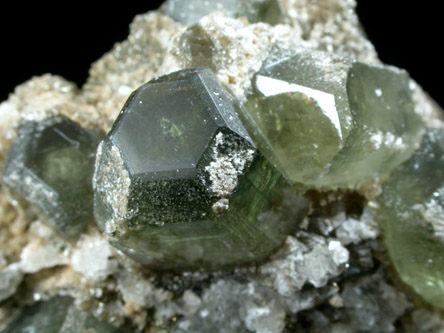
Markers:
(306, 258)
(37, 256)
(94, 258)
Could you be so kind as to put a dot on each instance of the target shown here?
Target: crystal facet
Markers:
(411, 213)
(50, 165)
(328, 121)
(179, 184)
(191, 11)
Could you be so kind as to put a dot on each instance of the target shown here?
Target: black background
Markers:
(65, 39)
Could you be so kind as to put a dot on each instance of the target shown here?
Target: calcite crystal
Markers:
(412, 218)
(51, 165)
(325, 120)
(179, 183)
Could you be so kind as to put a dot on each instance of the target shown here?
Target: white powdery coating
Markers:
(306, 258)
(225, 170)
(94, 258)
(10, 278)
(432, 213)
(36, 256)
(112, 182)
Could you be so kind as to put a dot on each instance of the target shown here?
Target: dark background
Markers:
(66, 39)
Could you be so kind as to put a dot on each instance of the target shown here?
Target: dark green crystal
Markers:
(329, 121)
(58, 315)
(179, 184)
(50, 165)
(411, 214)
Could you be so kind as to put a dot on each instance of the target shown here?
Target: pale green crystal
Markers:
(191, 11)
(329, 121)
(411, 214)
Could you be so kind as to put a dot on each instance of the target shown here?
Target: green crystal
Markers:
(50, 165)
(191, 11)
(328, 121)
(58, 315)
(179, 184)
(411, 215)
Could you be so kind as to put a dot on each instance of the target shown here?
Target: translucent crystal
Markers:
(58, 315)
(50, 165)
(328, 121)
(178, 182)
(191, 11)
(411, 213)
(197, 46)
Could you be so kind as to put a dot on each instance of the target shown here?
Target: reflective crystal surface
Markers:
(328, 121)
(411, 212)
(179, 184)
(50, 165)
(58, 315)
(191, 11)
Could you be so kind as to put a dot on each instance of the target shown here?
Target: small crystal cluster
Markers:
(266, 174)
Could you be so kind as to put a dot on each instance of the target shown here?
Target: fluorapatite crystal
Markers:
(191, 11)
(179, 184)
(58, 315)
(411, 214)
(197, 47)
(328, 121)
(50, 165)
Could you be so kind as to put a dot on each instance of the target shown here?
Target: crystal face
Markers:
(50, 165)
(179, 184)
(411, 213)
(328, 121)
(58, 315)
(191, 11)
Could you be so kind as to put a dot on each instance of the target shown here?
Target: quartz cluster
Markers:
(266, 173)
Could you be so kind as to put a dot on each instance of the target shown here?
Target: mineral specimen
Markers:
(179, 184)
(51, 165)
(190, 11)
(58, 315)
(329, 121)
(412, 217)
(188, 180)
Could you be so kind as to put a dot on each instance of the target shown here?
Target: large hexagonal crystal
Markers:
(412, 217)
(51, 165)
(328, 121)
(179, 183)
